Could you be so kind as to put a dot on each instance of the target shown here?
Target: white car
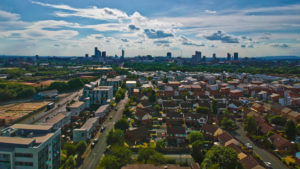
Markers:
(268, 164)
(249, 145)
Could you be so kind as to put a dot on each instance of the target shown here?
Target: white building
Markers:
(24, 146)
(77, 107)
(86, 131)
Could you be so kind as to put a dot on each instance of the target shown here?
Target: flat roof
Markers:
(130, 82)
(102, 108)
(16, 140)
(89, 123)
(44, 138)
(76, 104)
(55, 119)
(31, 126)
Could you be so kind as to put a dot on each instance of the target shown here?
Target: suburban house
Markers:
(176, 134)
(280, 143)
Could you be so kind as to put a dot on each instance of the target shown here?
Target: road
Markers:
(240, 134)
(54, 111)
(94, 155)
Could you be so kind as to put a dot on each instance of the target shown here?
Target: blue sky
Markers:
(141, 27)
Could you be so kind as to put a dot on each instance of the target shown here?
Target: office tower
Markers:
(103, 54)
(236, 56)
(228, 56)
(204, 58)
(198, 56)
(30, 146)
(123, 54)
(97, 53)
(169, 54)
(214, 56)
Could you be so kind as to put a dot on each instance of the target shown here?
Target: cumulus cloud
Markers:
(153, 34)
(210, 12)
(162, 41)
(191, 44)
(133, 28)
(124, 40)
(280, 45)
(222, 36)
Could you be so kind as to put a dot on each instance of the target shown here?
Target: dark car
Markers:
(102, 128)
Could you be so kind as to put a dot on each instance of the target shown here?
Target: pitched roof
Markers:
(210, 128)
(249, 162)
(225, 136)
(176, 130)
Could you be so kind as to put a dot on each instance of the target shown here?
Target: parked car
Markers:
(110, 118)
(92, 145)
(249, 146)
(96, 140)
(268, 164)
(102, 128)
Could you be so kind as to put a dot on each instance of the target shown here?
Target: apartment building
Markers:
(24, 146)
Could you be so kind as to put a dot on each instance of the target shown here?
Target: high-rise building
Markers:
(123, 54)
(228, 56)
(103, 54)
(197, 57)
(30, 146)
(169, 54)
(97, 53)
(204, 58)
(214, 56)
(236, 56)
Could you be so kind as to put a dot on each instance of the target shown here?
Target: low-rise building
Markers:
(86, 132)
(77, 107)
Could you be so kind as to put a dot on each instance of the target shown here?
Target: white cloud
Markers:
(210, 12)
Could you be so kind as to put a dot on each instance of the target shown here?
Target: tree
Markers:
(214, 107)
(149, 155)
(122, 124)
(60, 86)
(250, 125)
(202, 110)
(127, 111)
(70, 163)
(115, 137)
(122, 153)
(227, 123)
(298, 130)
(152, 97)
(290, 130)
(160, 145)
(110, 162)
(224, 156)
(194, 136)
(70, 148)
(157, 107)
(278, 120)
(199, 148)
(81, 147)
(75, 83)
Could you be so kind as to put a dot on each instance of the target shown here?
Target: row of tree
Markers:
(73, 84)
(10, 91)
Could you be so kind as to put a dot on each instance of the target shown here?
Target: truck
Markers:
(50, 105)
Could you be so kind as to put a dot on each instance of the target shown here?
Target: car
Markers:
(249, 145)
(110, 118)
(116, 109)
(96, 140)
(103, 128)
(268, 164)
(93, 145)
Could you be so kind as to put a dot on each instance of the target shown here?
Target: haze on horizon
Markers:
(141, 27)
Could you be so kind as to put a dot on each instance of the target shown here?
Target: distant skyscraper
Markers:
(228, 56)
(97, 53)
(123, 54)
(86, 55)
(103, 54)
(214, 56)
(204, 58)
(169, 54)
(236, 56)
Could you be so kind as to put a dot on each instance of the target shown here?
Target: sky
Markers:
(150, 27)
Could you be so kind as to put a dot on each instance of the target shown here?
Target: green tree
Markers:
(227, 123)
(290, 130)
(160, 145)
(278, 120)
(298, 130)
(60, 86)
(75, 83)
(250, 125)
(202, 110)
(110, 162)
(224, 156)
(115, 137)
(157, 108)
(69, 148)
(70, 163)
(199, 148)
(194, 136)
(122, 153)
(122, 124)
(214, 107)
(152, 97)
(149, 155)
(127, 111)
(81, 147)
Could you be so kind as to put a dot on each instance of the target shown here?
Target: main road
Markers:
(240, 134)
(92, 156)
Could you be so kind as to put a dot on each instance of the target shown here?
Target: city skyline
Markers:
(68, 28)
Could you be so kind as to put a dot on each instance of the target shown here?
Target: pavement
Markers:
(93, 156)
(266, 156)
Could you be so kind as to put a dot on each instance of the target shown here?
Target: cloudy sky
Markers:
(141, 27)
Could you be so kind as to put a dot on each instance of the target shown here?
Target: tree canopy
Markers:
(250, 125)
(290, 130)
(115, 137)
(122, 124)
(194, 136)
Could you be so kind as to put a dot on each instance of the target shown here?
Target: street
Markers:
(240, 134)
(93, 156)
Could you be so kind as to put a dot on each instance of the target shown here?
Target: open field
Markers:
(42, 83)
(14, 112)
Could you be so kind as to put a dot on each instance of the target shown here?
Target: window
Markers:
(23, 155)
(23, 163)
